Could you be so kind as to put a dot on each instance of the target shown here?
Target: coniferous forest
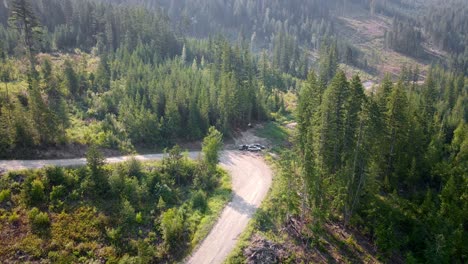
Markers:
(369, 97)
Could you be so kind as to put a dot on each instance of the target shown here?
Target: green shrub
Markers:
(33, 213)
(263, 220)
(167, 194)
(204, 178)
(117, 179)
(53, 255)
(131, 190)
(172, 227)
(5, 195)
(126, 259)
(114, 234)
(107, 139)
(14, 218)
(134, 168)
(57, 193)
(35, 194)
(199, 201)
(139, 218)
(39, 220)
(127, 212)
(15, 187)
(161, 204)
(55, 175)
(74, 195)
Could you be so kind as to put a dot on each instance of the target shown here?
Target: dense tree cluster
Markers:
(392, 160)
(404, 38)
(441, 24)
(284, 28)
(136, 101)
(144, 89)
(447, 24)
(257, 19)
(68, 25)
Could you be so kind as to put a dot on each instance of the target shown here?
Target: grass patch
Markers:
(273, 132)
(216, 204)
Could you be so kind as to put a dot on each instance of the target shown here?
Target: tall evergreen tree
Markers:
(25, 21)
(332, 127)
(396, 133)
(307, 115)
(355, 150)
(212, 145)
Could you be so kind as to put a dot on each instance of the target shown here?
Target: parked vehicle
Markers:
(243, 147)
(254, 149)
(259, 146)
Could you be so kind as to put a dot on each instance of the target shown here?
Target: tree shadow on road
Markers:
(240, 205)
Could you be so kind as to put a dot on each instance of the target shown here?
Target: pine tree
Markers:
(212, 145)
(5, 77)
(95, 162)
(383, 92)
(328, 62)
(309, 103)
(56, 101)
(23, 130)
(103, 74)
(194, 122)
(430, 95)
(396, 130)
(71, 79)
(42, 117)
(172, 120)
(353, 108)
(25, 21)
(332, 125)
(356, 146)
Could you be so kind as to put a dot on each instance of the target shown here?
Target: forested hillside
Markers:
(393, 162)
(373, 92)
(293, 29)
(379, 176)
(137, 87)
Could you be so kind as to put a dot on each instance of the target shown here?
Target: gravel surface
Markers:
(251, 180)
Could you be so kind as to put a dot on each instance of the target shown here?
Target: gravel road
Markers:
(8, 165)
(251, 180)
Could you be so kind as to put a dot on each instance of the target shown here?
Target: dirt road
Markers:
(8, 165)
(251, 180)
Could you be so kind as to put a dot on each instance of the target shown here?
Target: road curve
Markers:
(251, 180)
